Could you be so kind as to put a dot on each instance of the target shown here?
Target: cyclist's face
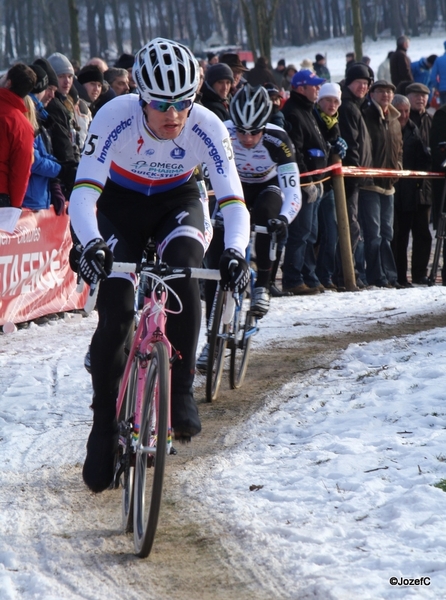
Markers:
(247, 140)
(166, 125)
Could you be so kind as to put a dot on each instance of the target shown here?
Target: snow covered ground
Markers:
(343, 465)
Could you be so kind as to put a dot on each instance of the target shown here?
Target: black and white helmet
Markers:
(166, 70)
(250, 107)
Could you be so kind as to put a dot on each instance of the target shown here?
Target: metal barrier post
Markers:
(343, 228)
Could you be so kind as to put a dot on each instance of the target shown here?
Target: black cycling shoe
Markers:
(276, 293)
(185, 420)
(99, 466)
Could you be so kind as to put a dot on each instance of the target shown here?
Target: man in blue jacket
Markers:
(438, 76)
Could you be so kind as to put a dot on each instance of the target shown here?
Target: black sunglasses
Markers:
(250, 131)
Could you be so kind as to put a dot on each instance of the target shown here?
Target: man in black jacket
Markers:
(216, 88)
(299, 266)
(412, 204)
(359, 151)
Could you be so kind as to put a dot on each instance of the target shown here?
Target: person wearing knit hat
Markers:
(92, 79)
(64, 71)
(42, 79)
(358, 71)
(359, 149)
(53, 82)
(326, 113)
(215, 90)
(332, 90)
(320, 67)
(232, 59)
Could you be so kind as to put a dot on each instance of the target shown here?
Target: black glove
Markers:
(280, 226)
(234, 271)
(96, 261)
(75, 256)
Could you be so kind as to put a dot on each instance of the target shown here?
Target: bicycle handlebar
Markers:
(123, 267)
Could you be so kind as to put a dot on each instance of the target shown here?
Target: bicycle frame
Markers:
(150, 329)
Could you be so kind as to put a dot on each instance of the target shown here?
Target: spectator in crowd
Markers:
(421, 70)
(76, 65)
(418, 95)
(359, 150)
(400, 63)
(126, 61)
(260, 73)
(44, 170)
(288, 75)
(43, 187)
(64, 130)
(279, 71)
(16, 135)
(216, 88)
(92, 79)
(320, 67)
(50, 91)
(299, 265)
(97, 62)
(438, 76)
(307, 64)
(384, 68)
(412, 205)
(376, 200)
(438, 149)
(118, 80)
(326, 111)
(212, 58)
(276, 117)
(365, 60)
(350, 59)
(238, 69)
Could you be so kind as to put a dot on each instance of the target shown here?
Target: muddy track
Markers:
(188, 555)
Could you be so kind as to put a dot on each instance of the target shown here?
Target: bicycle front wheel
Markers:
(244, 327)
(218, 341)
(151, 451)
(127, 457)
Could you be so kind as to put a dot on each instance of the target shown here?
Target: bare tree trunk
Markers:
(134, 33)
(357, 28)
(91, 29)
(74, 30)
(30, 29)
(118, 28)
(102, 28)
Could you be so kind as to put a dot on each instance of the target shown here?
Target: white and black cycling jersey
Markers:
(272, 158)
(120, 147)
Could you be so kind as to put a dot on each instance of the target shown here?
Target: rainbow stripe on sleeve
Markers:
(232, 200)
(89, 183)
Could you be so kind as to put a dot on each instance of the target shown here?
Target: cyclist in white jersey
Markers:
(267, 167)
(135, 181)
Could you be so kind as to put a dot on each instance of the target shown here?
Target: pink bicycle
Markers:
(143, 404)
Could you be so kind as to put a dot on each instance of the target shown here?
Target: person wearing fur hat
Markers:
(359, 149)
(216, 88)
(376, 197)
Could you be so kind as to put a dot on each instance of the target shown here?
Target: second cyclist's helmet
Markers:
(250, 107)
(166, 70)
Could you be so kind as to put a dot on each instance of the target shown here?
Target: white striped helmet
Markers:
(166, 70)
